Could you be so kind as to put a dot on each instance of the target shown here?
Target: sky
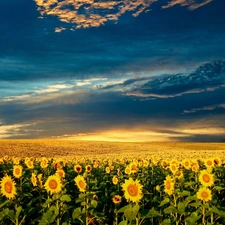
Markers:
(118, 70)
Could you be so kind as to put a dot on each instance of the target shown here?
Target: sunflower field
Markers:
(112, 191)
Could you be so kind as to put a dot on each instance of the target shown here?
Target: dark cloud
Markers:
(205, 78)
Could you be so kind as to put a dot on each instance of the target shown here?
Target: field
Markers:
(75, 182)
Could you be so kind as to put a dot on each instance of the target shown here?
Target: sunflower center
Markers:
(209, 163)
(132, 190)
(53, 184)
(17, 171)
(168, 185)
(81, 183)
(204, 194)
(216, 161)
(78, 168)
(206, 178)
(8, 187)
(173, 167)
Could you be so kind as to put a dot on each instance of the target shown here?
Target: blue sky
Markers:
(113, 70)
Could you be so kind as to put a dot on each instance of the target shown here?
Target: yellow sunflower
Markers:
(34, 179)
(115, 180)
(29, 164)
(77, 168)
(16, 160)
(107, 169)
(8, 187)
(60, 173)
(132, 190)
(81, 183)
(209, 162)
(186, 164)
(44, 162)
(206, 179)
(17, 171)
(173, 168)
(39, 177)
(128, 170)
(133, 166)
(88, 168)
(53, 184)
(204, 194)
(117, 199)
(217, 161)
(169, 185)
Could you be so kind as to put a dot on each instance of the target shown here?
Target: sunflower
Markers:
(173, 168)
(204, 194)
(60, 173)
(81, 183)
(16, 160)
(29, 164)
(107, 169)
(117, 199)
(128, 170)
(77, 168)
(133, 166)
(34, 179)
(88, 168)
(169, 185)
(209, 162)
(44, 162)
(217, 161)
(206, 179)
(8, 187)
(17, 171)
(145, 163)
(115, 180)
(53, 184)
(132, 190)
(1, 161)
(39, 177)
(186, 164)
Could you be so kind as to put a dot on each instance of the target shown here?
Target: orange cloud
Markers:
(95, 13)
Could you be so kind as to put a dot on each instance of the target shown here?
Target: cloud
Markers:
(207, 77)
(95, 13)
(206, 108)
(7, 131)
(191, 4)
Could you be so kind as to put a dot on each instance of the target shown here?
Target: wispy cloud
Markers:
(207, 108)
(7, 131)
(191, 4)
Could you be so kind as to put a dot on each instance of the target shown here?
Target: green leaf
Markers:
(217, 211)
(218, 188)
(94, 203)
(18, 211)
(76, 213)
(152, 213)
(164, 201)
(185, 193)
(122, 210)
(193, 218)
(195, 204)
(166, 222)
(124, 222)
(65, 198)
(4, 203)
(181, 207)
(170, 209)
